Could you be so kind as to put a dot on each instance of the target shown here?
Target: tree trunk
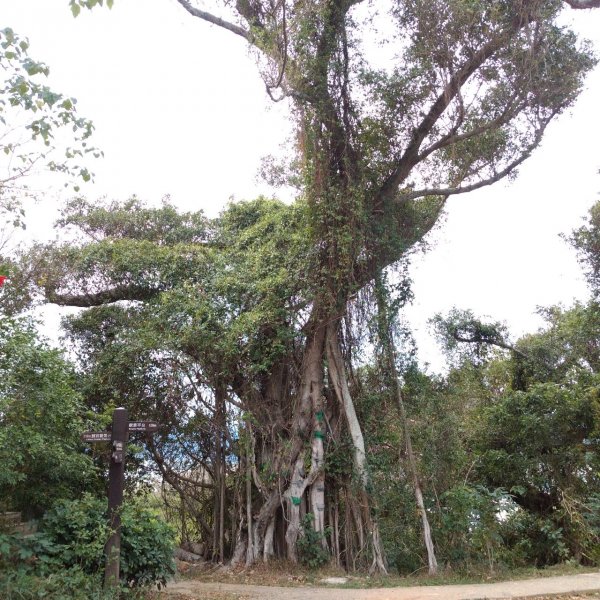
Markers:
(269, 544)
(336, 531)
(310, 404)
(317, 500)
(427, 538)
(250, 554)
(337, 373)
(240, 550)
(294, 498)
(389, 354)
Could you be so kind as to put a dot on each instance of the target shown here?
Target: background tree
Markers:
(535, 431)
(586, 240)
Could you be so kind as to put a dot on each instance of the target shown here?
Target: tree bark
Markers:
(337, 373)
(250, 554)
(427, 537)
(309, 404)
(269, 544)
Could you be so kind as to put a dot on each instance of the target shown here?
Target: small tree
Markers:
(41, 418)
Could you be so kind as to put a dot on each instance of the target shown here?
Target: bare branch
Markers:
(205, 16)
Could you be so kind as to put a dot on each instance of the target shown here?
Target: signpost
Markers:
(118, 435)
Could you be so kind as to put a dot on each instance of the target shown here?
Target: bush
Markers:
(80, 528)
(31, 567)
(65, 559)
(468, 528)
(534, 540)
(146, 547)
(310, 549)
(65, 584)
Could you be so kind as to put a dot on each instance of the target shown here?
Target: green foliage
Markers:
(469, 528)
(70, 546)
(41, 419)
(338, 459)
(541, 440)
(33, 566)
(463, 336)
(77, 5)
(146, 547)
(47, 115)
(310, 544)
(221, 302)
(78, 530)
(532, 539)
(64, 584)
(592, 526)
(533, 426)
(586, 240)
(567, 349)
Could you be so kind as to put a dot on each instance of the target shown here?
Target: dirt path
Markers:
(506, 589)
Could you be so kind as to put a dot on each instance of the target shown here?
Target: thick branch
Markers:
(205, 16)
(583, 3)
(454, 138)
(115, 294)
(451, 90)
(477, 339)
(452, 191)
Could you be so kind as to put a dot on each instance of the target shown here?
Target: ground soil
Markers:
(566, 587)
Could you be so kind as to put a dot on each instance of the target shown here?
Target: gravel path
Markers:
(488, 591)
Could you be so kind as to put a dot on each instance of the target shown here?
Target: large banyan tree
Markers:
(241, 332)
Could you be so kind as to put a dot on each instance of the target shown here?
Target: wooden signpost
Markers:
(118, 435)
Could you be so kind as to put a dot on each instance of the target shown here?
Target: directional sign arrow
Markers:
(96, 436)
(149, 426)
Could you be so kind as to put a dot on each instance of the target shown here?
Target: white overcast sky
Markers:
(180, 109)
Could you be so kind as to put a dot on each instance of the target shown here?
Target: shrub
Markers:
(42, 416)
(30, 567)
(80, 528)
(310, 548)
(535, 540)
(66, 558)
(65, 584)
(146, 547)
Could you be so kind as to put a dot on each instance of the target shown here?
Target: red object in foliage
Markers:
(3, 278)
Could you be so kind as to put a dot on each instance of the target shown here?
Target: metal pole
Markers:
(116, 478)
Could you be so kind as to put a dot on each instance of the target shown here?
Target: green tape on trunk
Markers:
(319, 435)
(320, 415)
(296, 501)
